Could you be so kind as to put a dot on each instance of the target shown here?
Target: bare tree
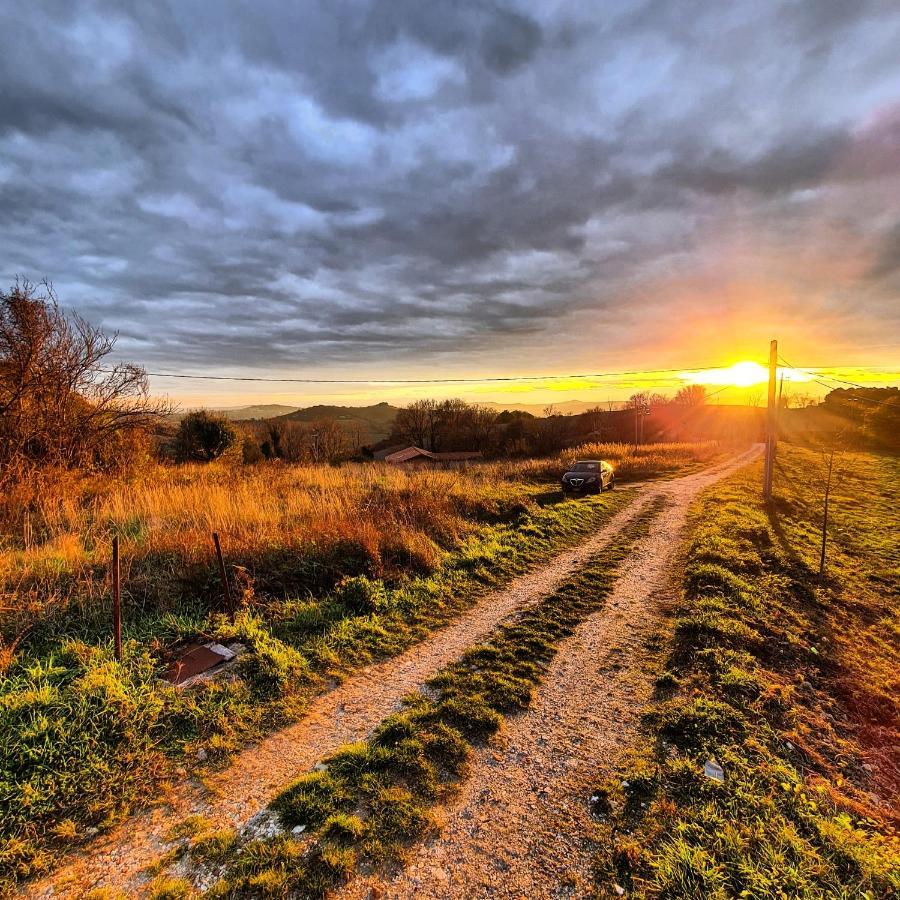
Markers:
(417, 424)
(646, 400)
(482, 428)
(328, 441)
(61, 403)
(446, 425)
(691, 395)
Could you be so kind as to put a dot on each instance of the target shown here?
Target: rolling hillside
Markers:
(374, 422)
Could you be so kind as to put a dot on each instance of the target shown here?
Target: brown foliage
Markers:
(61, 405)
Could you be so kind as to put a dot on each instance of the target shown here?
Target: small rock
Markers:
(594, 798)
(92, 831)
(319, 767)
(263, 825)
(625, 784)
(711, 769)
(790, 746)
(298, 829)
(202, 755)
(620, 891)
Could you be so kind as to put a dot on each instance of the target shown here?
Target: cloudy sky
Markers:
(426, 189)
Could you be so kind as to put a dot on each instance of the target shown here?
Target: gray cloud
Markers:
(392, 182)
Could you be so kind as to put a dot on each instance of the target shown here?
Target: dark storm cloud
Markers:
(286, 184)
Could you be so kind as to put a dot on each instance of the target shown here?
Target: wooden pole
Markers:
(825, 513)
(771, 414)
(117, 599)
(223, 574)
(777, 428)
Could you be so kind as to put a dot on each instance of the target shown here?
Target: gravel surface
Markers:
(347, 713)
(521, 826)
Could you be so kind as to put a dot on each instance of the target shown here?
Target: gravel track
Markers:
(346, 713)
(521, 826)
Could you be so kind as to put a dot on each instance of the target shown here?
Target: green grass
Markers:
(371, 800)
(84, 739)
(791, 683)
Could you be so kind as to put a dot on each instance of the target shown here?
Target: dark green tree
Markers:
(203, 436)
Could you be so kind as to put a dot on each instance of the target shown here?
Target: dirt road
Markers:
(521, 826)
(350, 712)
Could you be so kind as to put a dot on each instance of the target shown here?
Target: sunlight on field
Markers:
(166, 515)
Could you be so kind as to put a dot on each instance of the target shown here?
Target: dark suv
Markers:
(588, 476)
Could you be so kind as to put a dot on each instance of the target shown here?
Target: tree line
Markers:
(64, 405)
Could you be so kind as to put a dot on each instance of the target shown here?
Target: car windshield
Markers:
(586, 467)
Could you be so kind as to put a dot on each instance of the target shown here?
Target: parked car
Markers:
(588, 476)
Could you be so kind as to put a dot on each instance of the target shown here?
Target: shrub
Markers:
(203, 436)
(360, 594)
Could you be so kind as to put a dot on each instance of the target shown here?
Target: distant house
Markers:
(416, 456)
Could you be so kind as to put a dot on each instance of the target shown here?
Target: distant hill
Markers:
(374, 422)
(263, 411)
(378, 418)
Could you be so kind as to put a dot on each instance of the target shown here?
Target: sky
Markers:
(400, 189)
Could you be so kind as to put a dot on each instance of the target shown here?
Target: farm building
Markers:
(416, 456)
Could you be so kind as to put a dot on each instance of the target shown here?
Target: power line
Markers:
(831, 387)
(470, 380)
(467, 380)
(821, 375)
(726, 388)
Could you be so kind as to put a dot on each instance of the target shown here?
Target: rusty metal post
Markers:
(117, 599)
(223, 574)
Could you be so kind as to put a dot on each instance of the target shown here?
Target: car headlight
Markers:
(592, 479)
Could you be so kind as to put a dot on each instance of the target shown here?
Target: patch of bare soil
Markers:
(348, 713)
(521, 826)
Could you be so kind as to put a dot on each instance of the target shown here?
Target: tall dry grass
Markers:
(385, 516)
(630, 462)
(381, 514)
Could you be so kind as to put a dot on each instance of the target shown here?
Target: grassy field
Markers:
(787, 680)
(371, 520)
(338, 566)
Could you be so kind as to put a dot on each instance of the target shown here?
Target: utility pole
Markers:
(771, 420)
(641, 409)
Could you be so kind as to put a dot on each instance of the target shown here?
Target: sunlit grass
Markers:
(790, 681)
(391, 517)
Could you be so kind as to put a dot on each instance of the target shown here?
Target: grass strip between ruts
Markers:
(373, 799)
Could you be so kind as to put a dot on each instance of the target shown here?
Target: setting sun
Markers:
(742, 374)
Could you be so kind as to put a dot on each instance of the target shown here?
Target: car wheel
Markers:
(612, 483)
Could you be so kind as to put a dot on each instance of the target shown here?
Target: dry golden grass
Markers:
(385, 514)
(630, 462)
